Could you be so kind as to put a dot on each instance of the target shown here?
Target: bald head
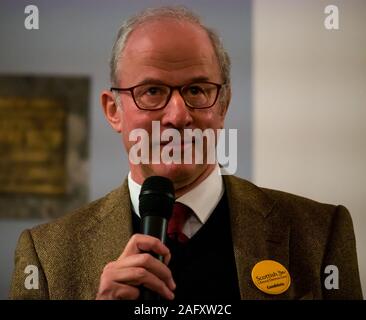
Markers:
(179, 14)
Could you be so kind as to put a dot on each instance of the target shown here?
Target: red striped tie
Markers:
(175, 226)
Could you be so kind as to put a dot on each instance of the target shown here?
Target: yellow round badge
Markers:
(271, 277)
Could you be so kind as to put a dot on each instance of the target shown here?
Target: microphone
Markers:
(156, 202)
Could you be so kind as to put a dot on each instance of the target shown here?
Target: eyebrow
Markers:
(158, 81)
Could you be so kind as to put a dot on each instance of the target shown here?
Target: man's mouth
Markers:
(181, 143)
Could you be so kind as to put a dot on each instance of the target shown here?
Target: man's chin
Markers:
(180, 174)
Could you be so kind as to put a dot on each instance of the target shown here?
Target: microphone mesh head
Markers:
(157, 197)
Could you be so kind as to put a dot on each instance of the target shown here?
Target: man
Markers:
(167, 67)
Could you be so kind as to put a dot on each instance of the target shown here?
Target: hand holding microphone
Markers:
(136, 267)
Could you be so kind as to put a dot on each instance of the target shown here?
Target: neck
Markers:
(188, 187)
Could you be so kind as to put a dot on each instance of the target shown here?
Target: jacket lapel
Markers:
(257, 231)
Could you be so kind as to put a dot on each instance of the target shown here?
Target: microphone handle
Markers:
(154, 226)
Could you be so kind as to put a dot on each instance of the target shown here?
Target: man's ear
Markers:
(225, 102)
(111, 111)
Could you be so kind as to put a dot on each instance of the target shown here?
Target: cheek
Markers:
(134, 120)
(211, 120)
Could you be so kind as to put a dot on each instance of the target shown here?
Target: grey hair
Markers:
(179, 13)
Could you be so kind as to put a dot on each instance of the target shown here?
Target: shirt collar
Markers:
(202, 199)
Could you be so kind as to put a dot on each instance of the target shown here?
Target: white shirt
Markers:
(202, 199)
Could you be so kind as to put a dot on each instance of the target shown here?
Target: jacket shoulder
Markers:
(280, 198)
(64, 229)
(295, 209)
(298, 203)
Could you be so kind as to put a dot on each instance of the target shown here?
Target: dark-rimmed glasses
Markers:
(150, 96)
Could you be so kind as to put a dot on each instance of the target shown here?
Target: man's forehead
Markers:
(178, 73)
(167, 60)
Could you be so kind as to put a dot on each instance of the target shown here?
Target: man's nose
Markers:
(176, 113)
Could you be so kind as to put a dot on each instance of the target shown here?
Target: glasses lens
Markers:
(200, 95)
(151, 96)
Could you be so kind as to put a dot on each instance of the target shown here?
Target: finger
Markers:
(126, 292)
(141, 243)
(167, 258)
(137, 276)
(118, 291)
(150, 263)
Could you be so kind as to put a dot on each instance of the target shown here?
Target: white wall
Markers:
(309, 111)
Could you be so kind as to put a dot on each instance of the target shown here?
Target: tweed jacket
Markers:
(303, 235)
